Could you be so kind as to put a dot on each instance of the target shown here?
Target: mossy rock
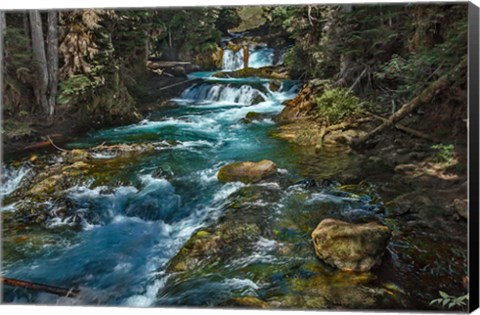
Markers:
(252, 116)
(345, 289)
(349, 246)
(195, 252)
(205, 248)
(246, 172)
(274, 85)
(258, 99)
(46, 186)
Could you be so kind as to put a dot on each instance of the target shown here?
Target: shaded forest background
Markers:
(89, 66)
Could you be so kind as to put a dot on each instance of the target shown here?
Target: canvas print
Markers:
(269, 157)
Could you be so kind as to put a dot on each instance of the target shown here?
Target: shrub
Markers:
(444, 153)
(337, 105)
(451, 301)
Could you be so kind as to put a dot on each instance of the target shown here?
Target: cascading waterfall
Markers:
(221, 93)
(11, 179)
(260, 57)
(232, 60)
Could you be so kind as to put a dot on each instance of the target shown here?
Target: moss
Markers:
(15, 130)
(202, 233)
(46, 186)
(252, 115)
(264, 72)
(345, 289)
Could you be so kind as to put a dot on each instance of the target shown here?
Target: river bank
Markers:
(25, 138)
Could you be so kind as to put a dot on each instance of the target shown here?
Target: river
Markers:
(128, 222)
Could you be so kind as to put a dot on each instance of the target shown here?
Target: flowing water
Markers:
(125, 228)
(259, 57)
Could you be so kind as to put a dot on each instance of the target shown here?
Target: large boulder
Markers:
(349, 246)
(246, 172)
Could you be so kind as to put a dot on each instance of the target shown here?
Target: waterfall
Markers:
(232, 60)
(11, 178)
(232, 94)
(262, 57)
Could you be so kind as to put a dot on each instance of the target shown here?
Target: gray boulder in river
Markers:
(349, 246)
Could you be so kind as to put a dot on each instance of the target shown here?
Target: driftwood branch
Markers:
(55, 146)
(175, 84)
(310, 19)
(357, 80)
(425, 96)
(40, 287)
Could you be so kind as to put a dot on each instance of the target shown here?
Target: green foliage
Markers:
(337, 105)
(17, 44)
(187, 31)
(450, 301)
(228, 18)
(436, 44)
(18, 70)
(295, 61)
(75, 89)
(399, 49)
(284, 17)
(444, 153)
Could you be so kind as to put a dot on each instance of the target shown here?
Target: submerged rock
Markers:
(254, 116)
(246, 172)
(274, 85)
(349, 246)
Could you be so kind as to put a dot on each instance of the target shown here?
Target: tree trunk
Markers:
(3, 22)
(39, 61)
(52, 58)
(26, 24)
(245, 57)
(3, 29)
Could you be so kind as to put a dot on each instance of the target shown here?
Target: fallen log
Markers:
(175, 84)
(166, 64)
(425, 96)
(40, 287)
(408, 130)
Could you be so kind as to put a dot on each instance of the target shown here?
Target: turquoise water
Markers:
(138, 226)
(125, 226)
